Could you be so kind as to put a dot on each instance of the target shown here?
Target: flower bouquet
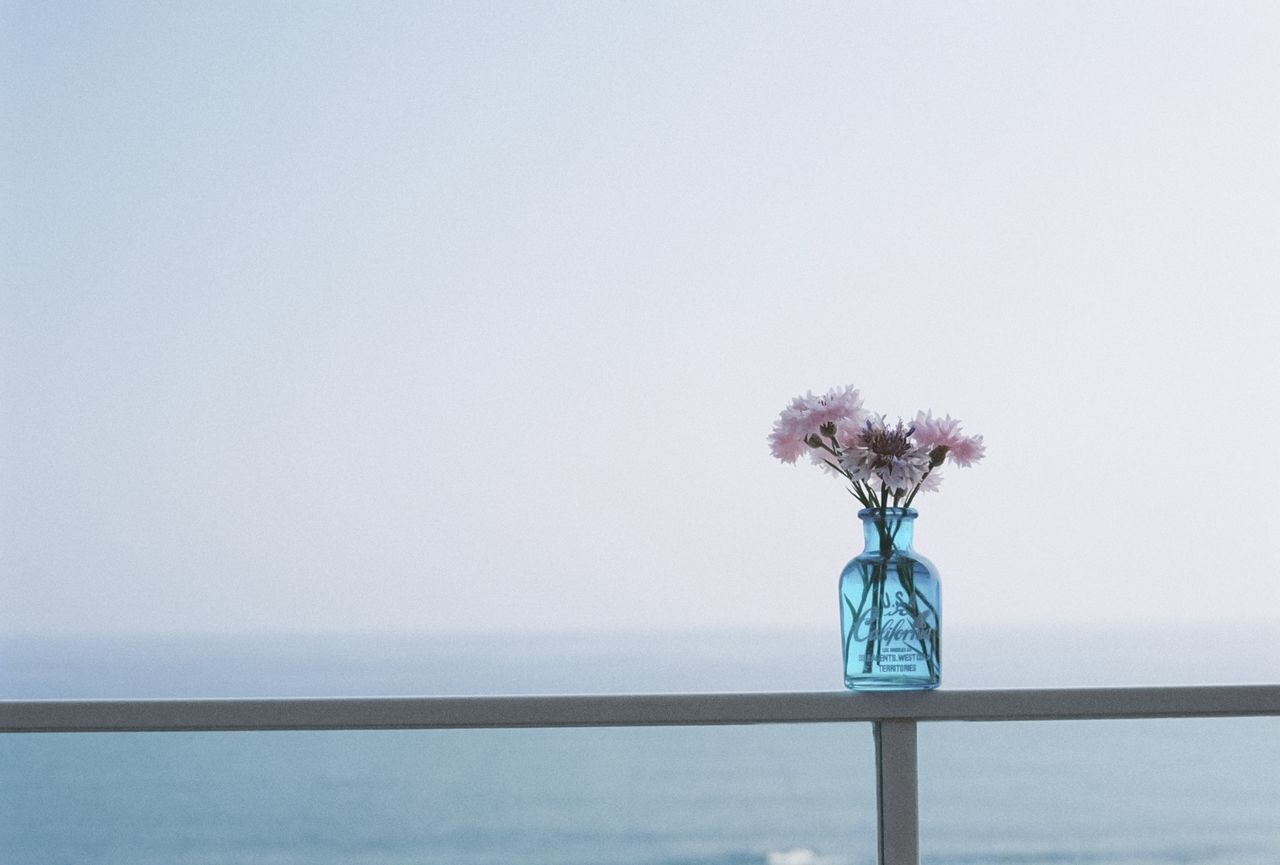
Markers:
(890, 600)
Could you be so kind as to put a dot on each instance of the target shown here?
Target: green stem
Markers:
(911, 498)
(906, 579)
(853, 491)
(870, 499)
(931, 607)
(853, 627)
(907, 574)
(857, 614)
(873, 632)
(884, 588)
(865, 497)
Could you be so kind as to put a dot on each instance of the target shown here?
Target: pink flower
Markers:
(886, 455)
(967, 451)
(787, 441)
(932, 433)
(839, 410)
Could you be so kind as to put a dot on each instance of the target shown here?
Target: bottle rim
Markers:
(896, 513)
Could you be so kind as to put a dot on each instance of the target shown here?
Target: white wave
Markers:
(802, 856)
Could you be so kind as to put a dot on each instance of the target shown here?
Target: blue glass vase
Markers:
(890, 609)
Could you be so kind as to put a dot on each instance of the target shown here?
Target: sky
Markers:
(436, 317)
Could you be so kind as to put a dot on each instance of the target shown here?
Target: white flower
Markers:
(886, 455)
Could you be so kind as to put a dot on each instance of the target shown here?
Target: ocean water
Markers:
(1193, 792)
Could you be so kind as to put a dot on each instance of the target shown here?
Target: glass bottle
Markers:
(890, 609)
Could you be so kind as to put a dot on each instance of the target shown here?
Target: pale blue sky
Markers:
(443, 317)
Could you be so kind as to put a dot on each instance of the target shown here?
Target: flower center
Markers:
(886, 442)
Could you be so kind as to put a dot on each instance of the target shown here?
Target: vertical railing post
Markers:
(897, 805)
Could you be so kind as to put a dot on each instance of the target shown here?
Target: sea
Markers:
(1168, 792)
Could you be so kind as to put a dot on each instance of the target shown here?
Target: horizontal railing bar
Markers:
(421, 713)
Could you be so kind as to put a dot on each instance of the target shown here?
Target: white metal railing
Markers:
(893, 717)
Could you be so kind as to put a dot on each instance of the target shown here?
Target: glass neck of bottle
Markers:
(888, 531)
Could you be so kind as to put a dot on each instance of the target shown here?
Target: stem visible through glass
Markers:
(877, 586)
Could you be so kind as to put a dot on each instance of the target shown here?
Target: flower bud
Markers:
(937, 455)
(813, 441)
(828, 429)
